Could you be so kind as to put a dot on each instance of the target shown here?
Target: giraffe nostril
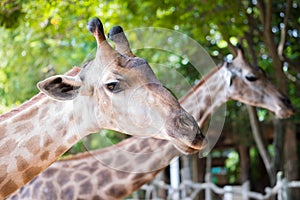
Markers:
(287, 109)
(287, 102)
(199, 140)
(184, 122)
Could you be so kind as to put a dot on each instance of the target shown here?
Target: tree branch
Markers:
(284, 30)
(268, 16)
(260, 143)
(261, 8)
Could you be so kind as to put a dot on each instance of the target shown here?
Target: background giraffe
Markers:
(78, 105)
(103, 175)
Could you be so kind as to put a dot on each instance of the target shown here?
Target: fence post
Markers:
(175, 178)
(228, 195)
(245, 190)
(279, 183)
(208, 178)
(285, 189)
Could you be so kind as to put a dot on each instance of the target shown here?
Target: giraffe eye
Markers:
(251, 77)
(113, 86)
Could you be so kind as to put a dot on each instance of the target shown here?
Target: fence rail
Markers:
(189, 190)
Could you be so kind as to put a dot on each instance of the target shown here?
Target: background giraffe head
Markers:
(250, 85)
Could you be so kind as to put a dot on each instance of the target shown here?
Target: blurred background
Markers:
(42, 38)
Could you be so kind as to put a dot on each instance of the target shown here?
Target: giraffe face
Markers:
(250, 85)
(125, 95)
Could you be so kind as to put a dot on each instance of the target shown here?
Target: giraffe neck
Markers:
(31, 140)
(207, 95)
(104, 174)
(117, 169)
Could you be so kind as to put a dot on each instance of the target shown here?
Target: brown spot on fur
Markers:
(71, 118)
(142, 158)
(49, 172)
(61, 127)
(33, 144)
(72, 139)
(79, 177)
(6, 148)
(138, 176)
(50, 191)
(25, 127)
(22, 164)
(48, 140)
(3, 173)
(97, 198)
(117, 191)
(63, 177)
(207, 100)
(45, 155)
(121, 159)
(86, 187)
(121, 174)
(106, 161)
(8, 188)
(29, 114)
(92, 169)
(103, 177)
(144, 144)
(60, 150)
(126, 168)
(43, 114)
(161, 142)
(30, 173)
(78, 166)
(68, 193)
(3, 131)
(36, 188)
(154, 166)
(132, 148)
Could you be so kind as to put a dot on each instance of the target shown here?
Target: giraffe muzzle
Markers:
(188, 138)
(287, 109)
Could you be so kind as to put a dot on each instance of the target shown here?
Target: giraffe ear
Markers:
(60, 87)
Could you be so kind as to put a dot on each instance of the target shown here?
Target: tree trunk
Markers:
(244, 163)
(291, 166)
(261, 144)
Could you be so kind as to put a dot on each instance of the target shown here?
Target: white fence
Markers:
(188, 190)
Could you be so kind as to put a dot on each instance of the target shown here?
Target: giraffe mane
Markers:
(85, 154)
(73, 72)
(82, 155)
(201, 82)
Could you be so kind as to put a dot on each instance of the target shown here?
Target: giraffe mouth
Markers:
(189, 149)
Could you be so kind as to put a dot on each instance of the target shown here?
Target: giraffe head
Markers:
(123, 94)
(250, 85)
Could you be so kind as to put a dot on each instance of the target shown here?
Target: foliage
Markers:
(232, 165)
(36, 29)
